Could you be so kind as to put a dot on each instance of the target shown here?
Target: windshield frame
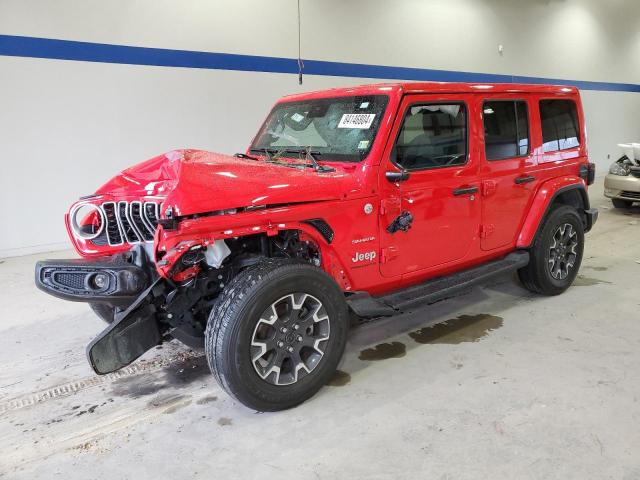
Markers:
(325, 156)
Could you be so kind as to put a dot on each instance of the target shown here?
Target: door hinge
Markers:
(388, 253)
(390, 206)
(488, 187)
(486, 230)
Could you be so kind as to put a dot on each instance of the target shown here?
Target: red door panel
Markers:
(445, 210)
(509, 179)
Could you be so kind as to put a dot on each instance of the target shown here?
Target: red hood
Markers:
(195, 181)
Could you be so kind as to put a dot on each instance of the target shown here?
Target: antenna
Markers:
(300, 62)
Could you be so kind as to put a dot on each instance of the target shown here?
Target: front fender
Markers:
(543, 200)
(206, 230)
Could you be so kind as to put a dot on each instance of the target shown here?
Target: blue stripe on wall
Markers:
(17, 46)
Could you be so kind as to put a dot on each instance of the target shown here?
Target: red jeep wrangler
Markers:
(372, 199)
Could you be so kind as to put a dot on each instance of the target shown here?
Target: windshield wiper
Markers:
(244, 155)
(273, 155)
(268, 152)
(310, 155)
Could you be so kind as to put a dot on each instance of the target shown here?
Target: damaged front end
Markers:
(147, 308)
(159, 245)
(167, 295)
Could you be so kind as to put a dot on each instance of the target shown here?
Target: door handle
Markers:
(524, 179)
(465, 191)
(400, 176)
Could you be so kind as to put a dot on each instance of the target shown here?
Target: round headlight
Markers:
(87, 221)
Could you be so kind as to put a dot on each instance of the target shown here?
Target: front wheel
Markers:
(556, 253)
(276, 334)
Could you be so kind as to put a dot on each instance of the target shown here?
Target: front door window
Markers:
(432, 136)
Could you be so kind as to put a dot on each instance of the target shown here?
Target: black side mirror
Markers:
(400, 176)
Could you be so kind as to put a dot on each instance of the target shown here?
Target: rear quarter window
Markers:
(560, 128)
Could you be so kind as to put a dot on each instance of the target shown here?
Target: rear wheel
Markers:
(556, 253)
(619, 203)
(276, 334)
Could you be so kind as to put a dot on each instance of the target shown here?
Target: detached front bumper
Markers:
(116, 280)
(124, 281)
(622, 187)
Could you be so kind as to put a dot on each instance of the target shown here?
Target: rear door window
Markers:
(506, 129)
(560, 129)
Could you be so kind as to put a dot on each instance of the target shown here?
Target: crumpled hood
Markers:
(196, 181)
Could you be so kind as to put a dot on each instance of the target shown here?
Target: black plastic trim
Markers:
(465, 191)
(322, 227)
(585, 202)
(128, 337)
(433, 290)
(524, 179)
(125, 279)
(592, 218)
(394, 176)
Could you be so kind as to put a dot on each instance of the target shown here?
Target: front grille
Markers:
(130, 235)
(74, 281)
(130, 222)
(635, 195)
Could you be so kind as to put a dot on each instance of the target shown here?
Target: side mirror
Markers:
(400, 176)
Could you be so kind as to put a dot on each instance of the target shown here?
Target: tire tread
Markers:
(533, 276)
(226, 312)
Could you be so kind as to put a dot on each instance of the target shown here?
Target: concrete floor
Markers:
(513, 386)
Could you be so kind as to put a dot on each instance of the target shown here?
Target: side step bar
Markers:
(366, 306)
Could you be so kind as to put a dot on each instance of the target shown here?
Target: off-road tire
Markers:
(619, 203)
(536, 276)
(233, 321)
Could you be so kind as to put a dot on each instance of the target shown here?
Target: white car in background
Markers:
(622, 183)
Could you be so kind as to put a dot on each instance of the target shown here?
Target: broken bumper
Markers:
(130, 335)
(111, 280)
(126, 281)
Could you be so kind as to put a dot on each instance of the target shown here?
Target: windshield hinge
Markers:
(390, 206)
(486, 230)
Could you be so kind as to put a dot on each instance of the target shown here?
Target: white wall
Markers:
(66, 126)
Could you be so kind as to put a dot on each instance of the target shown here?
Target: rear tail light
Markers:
(588, 172)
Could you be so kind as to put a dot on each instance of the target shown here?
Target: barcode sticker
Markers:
(356, 120)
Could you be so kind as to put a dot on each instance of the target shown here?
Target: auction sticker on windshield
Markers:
(356, 120)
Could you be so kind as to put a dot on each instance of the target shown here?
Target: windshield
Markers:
(340, 129)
